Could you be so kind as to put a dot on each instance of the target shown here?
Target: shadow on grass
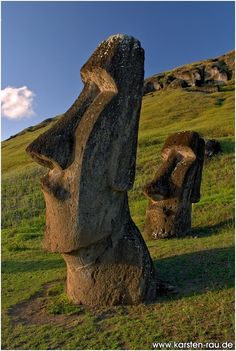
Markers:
(11, 266)
(212, 229)
(197, 272)
(189, 274)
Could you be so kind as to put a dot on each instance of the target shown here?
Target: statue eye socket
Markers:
(57, 190)
(60, 193)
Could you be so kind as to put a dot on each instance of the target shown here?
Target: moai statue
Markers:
(175, 186)
(91, 154)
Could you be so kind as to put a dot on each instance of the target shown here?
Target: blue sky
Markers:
(44, 45)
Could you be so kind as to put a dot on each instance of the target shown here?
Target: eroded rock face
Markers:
(175, 186)
(91, 153)
(206, 75)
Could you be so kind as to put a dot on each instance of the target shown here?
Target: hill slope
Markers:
(200, 267)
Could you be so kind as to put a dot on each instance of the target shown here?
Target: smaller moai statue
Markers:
(175, 187)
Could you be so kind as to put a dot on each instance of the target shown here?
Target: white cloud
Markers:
(17, 103)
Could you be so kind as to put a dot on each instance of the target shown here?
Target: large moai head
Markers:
(91, 151)
(175, 187)
(91, 154)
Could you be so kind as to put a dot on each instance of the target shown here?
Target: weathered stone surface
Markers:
(91, 152)
(175, 186)
(178, 83)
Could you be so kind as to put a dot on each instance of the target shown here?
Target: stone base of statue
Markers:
(166, 219)
(117, 270)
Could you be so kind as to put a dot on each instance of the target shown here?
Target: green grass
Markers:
(200, 266)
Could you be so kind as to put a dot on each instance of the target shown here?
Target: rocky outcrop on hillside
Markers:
(206, 75)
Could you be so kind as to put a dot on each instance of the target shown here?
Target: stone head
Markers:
(91, 150)
(176, 185)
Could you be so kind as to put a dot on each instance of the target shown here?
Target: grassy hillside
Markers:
(36, 313)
